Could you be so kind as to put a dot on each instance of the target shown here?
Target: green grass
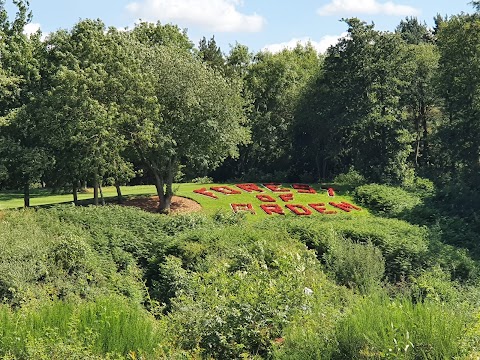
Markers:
(210, 206)
(38, 197)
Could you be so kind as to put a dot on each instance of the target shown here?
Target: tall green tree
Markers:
(210, 53)
(458, 40)
(413, 32)
(23, 157)
(274, 83)
(420, 97)
(355, 118)
(79, 105)
(191, 115)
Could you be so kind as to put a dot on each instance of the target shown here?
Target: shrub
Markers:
(202, 180)
(386, 200)
(378, 327)
(110, 325)
(244, 287)
(404, 246)
(358, 266)
(352, 178)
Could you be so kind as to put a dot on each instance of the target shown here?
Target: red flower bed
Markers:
(265, 198)
(304, 189)
(249, 187)
(225, 190)
(344, 206)
(275, 187)
(272, 209)
(320, 207)
(286, 197)
(204, 191)
(299, 209)
(242, 207)
(331, 192)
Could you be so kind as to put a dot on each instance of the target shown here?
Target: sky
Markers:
(259, 24)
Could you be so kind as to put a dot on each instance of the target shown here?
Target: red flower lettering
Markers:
(299, 209)
(203, 191)
(249, 187)
(225, 190)
(272, 209)
(265, 198)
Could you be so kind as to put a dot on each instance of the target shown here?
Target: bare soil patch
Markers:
(180, 205)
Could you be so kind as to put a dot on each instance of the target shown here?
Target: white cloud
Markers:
(321, 46)
(31, 28)
(373, 7)
(215, 15)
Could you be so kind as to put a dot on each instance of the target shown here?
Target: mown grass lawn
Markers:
(41, 197)
(224, 202)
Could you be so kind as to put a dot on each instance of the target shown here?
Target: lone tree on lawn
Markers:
(182, 113)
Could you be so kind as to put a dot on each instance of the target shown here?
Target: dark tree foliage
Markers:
(210, 53)
(414, 32)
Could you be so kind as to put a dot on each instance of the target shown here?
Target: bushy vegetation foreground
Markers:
(114, 282)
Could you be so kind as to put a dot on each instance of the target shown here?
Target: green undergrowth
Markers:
(116, 282)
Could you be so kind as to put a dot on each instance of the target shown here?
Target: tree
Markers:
(413, 32)
(190, 115)
(158, 34)
(23, 157)
(355, 118)
(78, 105)
(458, 40)
(238, 60)
(274, 84)
(420, 97)
(211, 54)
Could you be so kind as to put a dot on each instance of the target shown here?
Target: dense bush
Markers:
(41, 257)
(386, 200)
(378, 327)
(73, 283)
(404, 246)
(78, 329)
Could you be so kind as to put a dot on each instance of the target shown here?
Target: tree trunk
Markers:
(417, 142)
(167, 200)
(101, 194)
(75, 193)
(119, 193)
(426, 149)
(95, 191)
(26, 194)
(159, 184)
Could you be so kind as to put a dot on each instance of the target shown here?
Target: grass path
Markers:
(9, 199)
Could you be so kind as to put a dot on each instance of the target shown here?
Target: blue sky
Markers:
(255, 23)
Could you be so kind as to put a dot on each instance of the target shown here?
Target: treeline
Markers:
(101, 105)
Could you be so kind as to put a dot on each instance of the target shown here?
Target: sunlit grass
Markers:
(210, 206)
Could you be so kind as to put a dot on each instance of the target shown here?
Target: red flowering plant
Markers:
(225, 190)
(286, 197)
(249, 187)
(299, 209)
(275, 187)
(304, 189)
(344, 206)
(265, 198)
(272, 209)
(331, 192)
(204, 191)
(320, 207)
(243, 207)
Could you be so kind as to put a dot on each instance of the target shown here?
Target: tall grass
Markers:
(110, 325)
(379, 327)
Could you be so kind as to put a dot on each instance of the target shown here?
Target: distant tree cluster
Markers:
(96, 105)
